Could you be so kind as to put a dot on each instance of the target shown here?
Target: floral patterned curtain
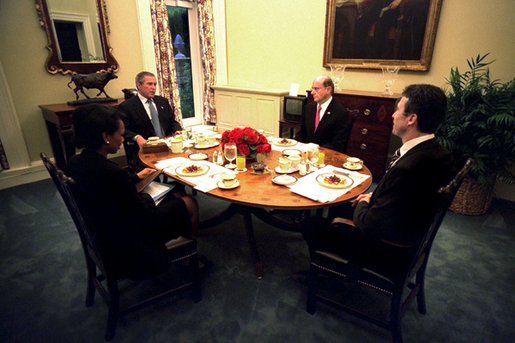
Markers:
(207, 47)
(166, 72)
(3, 158)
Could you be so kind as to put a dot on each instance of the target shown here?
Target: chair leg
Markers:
(395, 318)
(311, 305)
(421, 295)
(196, 292)
(90, 292)
(114, 307)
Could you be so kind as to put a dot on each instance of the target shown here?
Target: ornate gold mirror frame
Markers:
(54, 63)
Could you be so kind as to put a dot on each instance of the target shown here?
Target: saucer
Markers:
(284, 180)
(221, 185)
(206, 146)
(289, 171)
(198, 156)
(241, 171)
(346, 165)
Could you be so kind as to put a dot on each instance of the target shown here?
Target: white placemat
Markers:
(308, 186)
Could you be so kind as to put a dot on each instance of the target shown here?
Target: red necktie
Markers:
(317, 118)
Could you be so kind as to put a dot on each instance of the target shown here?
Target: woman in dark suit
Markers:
(130, 230)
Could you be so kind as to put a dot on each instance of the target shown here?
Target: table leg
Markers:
(249, 227)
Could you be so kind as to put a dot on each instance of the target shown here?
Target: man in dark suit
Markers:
(390, 221)
(146, 115)
(325, 121)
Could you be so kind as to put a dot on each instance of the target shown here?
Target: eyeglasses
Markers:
(316, 89)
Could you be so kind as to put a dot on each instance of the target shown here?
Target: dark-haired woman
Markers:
(129, 228)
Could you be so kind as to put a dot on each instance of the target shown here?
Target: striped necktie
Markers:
(394, 159)
(155, 119)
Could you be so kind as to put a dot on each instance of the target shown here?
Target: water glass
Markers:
(230, 154)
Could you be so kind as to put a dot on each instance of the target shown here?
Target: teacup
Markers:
(201, 139)
(211, 140)
(353, 162)
(284, 164)
(295, 160)
(177, 145)
(228, 180)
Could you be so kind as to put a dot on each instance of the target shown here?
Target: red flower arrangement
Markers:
(248, 141)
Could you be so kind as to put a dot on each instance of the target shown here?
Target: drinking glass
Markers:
(389, 77)
(230, 154)
(313, 155)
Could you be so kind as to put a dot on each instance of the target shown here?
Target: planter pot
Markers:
(472, 198)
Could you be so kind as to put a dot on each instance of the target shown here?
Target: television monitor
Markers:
(293, 106)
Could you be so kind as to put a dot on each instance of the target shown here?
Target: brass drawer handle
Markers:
(366, 112)
(364, 131)
(363, 146)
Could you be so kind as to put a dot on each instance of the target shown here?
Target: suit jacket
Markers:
(121, 220)
(137, 121)
(333, 130)
(404, 203)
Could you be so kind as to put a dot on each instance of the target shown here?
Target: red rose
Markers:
(262, 139)
(243, 149)
(238, 138)
(252, 139)
(265, 148)
(248, 131)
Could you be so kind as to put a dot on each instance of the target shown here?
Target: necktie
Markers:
(317, 117)
(395, 157)
(155, 118)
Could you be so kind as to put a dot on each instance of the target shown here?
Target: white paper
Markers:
(294, 89)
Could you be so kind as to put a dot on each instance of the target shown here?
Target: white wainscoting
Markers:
(260, 109)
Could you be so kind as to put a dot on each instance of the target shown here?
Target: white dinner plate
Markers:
(206, 146)
(324, 180)
(285, 142)
(183, 170)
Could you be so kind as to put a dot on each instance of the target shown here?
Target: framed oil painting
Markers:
(369, 33)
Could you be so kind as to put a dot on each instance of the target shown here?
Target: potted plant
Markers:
(480, 124)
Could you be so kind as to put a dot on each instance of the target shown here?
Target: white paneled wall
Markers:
(248, 107)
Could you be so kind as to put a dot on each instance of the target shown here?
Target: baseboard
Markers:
(15, 177)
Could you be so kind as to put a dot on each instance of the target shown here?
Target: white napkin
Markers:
(308, 186)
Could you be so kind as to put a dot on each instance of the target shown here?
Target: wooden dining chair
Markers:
(410, 280)
(106, 281)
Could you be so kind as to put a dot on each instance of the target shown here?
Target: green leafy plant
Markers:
(480, 122)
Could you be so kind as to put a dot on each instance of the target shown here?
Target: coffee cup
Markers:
(228, 180)
(284, 164)
(295, 160)
(353, 162)
(201, 139)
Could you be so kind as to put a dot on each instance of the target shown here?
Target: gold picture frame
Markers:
(369, 34)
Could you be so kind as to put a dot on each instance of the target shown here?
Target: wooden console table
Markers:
(59, 123)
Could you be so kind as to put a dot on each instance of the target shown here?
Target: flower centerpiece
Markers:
(249, 142)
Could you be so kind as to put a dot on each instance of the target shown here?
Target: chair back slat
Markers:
(63, 183)
(446, 196)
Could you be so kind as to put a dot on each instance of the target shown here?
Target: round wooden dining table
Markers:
(257, 194)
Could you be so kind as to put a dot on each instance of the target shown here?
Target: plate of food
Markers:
(331, 180)
(284, 180)
(192, 170)
(199, 156)
(285, 142)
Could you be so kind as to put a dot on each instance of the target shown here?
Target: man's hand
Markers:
(363, 197)
(141, 141)
(145, 172)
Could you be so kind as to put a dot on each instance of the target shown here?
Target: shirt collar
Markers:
(142, 99)
(325, 104)
(414, 142)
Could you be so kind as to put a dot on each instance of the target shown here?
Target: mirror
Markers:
(77, 36)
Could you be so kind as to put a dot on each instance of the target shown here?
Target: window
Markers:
(182, 17)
